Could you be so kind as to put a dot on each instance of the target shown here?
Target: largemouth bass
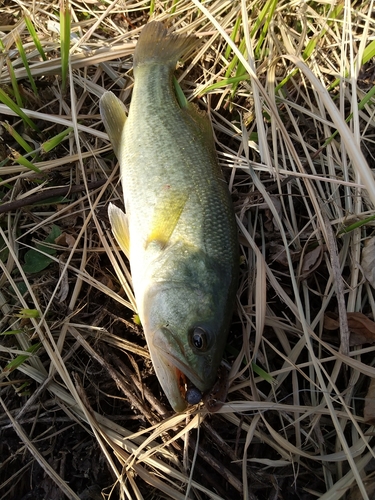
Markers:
(179, 230)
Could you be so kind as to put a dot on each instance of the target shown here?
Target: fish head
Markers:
(185, 327)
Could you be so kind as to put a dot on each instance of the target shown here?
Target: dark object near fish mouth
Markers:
(193, 395)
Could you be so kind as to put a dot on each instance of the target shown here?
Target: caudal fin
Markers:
(156, 46)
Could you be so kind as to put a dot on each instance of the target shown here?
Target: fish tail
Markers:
(156, 46)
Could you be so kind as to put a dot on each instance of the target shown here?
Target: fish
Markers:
(178, 229)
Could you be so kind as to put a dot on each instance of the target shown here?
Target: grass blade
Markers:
(22, 52)
(56, 140)
(5, 99)
(21, 160)
(21, 141)
(35, 37)
(65, 22)
(14, 81)
(21, 358)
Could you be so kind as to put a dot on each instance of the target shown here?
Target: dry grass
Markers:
(289, 88)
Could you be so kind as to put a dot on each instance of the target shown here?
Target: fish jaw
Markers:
(171, 380)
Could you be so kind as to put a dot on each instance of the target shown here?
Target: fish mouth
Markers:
(174, 382)
(171, 349)
(181, 384)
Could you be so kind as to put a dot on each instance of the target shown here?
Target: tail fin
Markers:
(155, 46)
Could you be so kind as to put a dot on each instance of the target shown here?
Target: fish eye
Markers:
(200, 339)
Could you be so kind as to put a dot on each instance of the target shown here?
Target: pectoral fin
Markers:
(120, 227)
(166, 215)
(113, 115)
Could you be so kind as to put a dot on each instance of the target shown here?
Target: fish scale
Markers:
(179, 229)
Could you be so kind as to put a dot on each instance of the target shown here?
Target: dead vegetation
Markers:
(289, 88)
